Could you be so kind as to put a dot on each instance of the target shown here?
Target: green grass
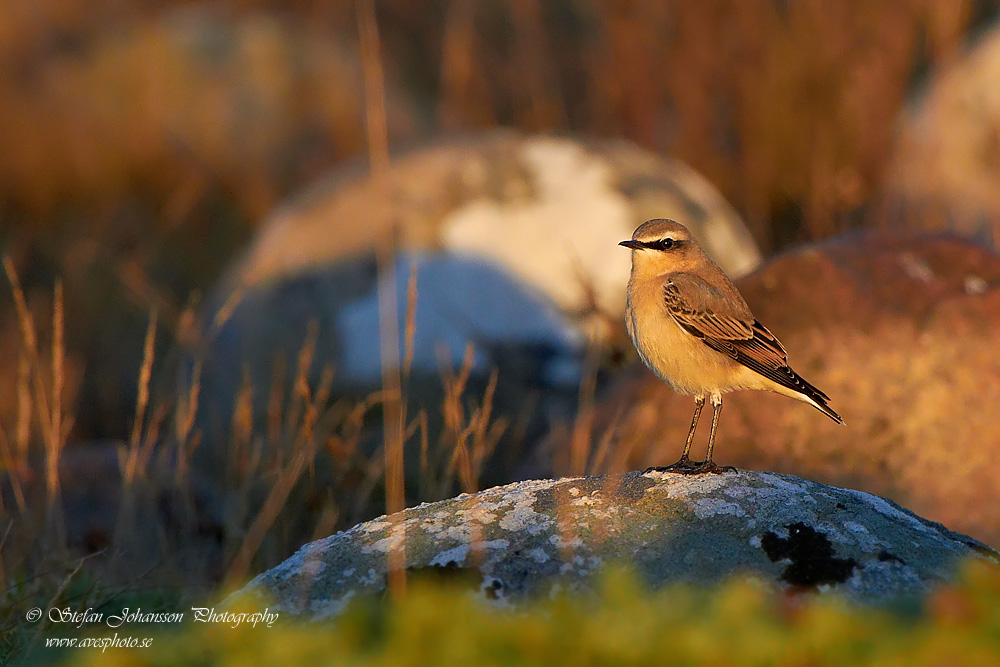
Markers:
(738, 623)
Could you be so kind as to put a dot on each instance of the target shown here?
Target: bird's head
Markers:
(663, 246)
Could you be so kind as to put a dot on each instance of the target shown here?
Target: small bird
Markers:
(693, 329)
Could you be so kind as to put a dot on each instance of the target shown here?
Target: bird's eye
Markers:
(666, 244)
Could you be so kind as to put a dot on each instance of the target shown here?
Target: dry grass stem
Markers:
(227, 309)
(24, 413)
(142, 399)
(47, 396)
(393, 411)
(604, 445)
(581, 441)
(374, 81)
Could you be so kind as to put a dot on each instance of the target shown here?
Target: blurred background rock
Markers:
(208, 161)
(510, 244)
(946, 167)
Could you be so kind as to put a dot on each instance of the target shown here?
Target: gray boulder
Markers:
(534, 537)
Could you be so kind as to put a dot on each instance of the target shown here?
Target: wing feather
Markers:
(729, 327)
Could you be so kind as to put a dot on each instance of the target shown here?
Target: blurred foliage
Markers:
(780, 104)
(738, 623)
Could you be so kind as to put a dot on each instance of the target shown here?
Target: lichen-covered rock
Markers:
(539, 536)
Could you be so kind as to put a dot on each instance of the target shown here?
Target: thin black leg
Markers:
(709, 465)
(699, 403)
(685, 464)
(716, 413)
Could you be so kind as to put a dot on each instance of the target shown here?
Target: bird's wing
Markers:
(728, 326)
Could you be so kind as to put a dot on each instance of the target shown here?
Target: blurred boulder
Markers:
(946, 168)
(547, 210)
(512, 242)
(901, 332)
(534, 537)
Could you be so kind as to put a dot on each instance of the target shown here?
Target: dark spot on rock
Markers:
(492, 590)
(886, 557)
(632, 487)
(813, 561)
(841, 506)
(545, 501)
(451, 573)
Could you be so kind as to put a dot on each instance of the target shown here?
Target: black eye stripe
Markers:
(661, 244)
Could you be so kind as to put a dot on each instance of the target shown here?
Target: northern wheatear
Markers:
(696, 333)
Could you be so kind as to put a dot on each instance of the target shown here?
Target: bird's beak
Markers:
(634, 245)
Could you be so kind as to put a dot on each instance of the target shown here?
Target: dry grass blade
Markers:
(55, 439)
(142, 399)
(410, 330)
(184, 414)
(484, 437)
(275, 501)
(226, 311)
(275, 400)
(604, 446)
(241, 432)
(394, 417)
(23, 434)
(393, 408)
(456, 431)
(374, 80)
(47, 397)
(581, 441)
(301, 395)
(30, 338)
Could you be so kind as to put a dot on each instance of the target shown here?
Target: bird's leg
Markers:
(708, 465)
(716, 413)
(685, 464)
(699, 403)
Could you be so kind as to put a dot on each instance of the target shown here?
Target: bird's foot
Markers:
(712, 467)
(685, 466)
(688, 467)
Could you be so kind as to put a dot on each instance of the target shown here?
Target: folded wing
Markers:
(728, 326)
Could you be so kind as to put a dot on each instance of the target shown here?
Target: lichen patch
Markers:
(456, 555)
(394, 540)
(523, 517)
(704, 508)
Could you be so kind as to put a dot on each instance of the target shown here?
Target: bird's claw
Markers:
(710, 467)
(684, 466)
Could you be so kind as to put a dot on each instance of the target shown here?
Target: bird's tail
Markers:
(816, 398)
